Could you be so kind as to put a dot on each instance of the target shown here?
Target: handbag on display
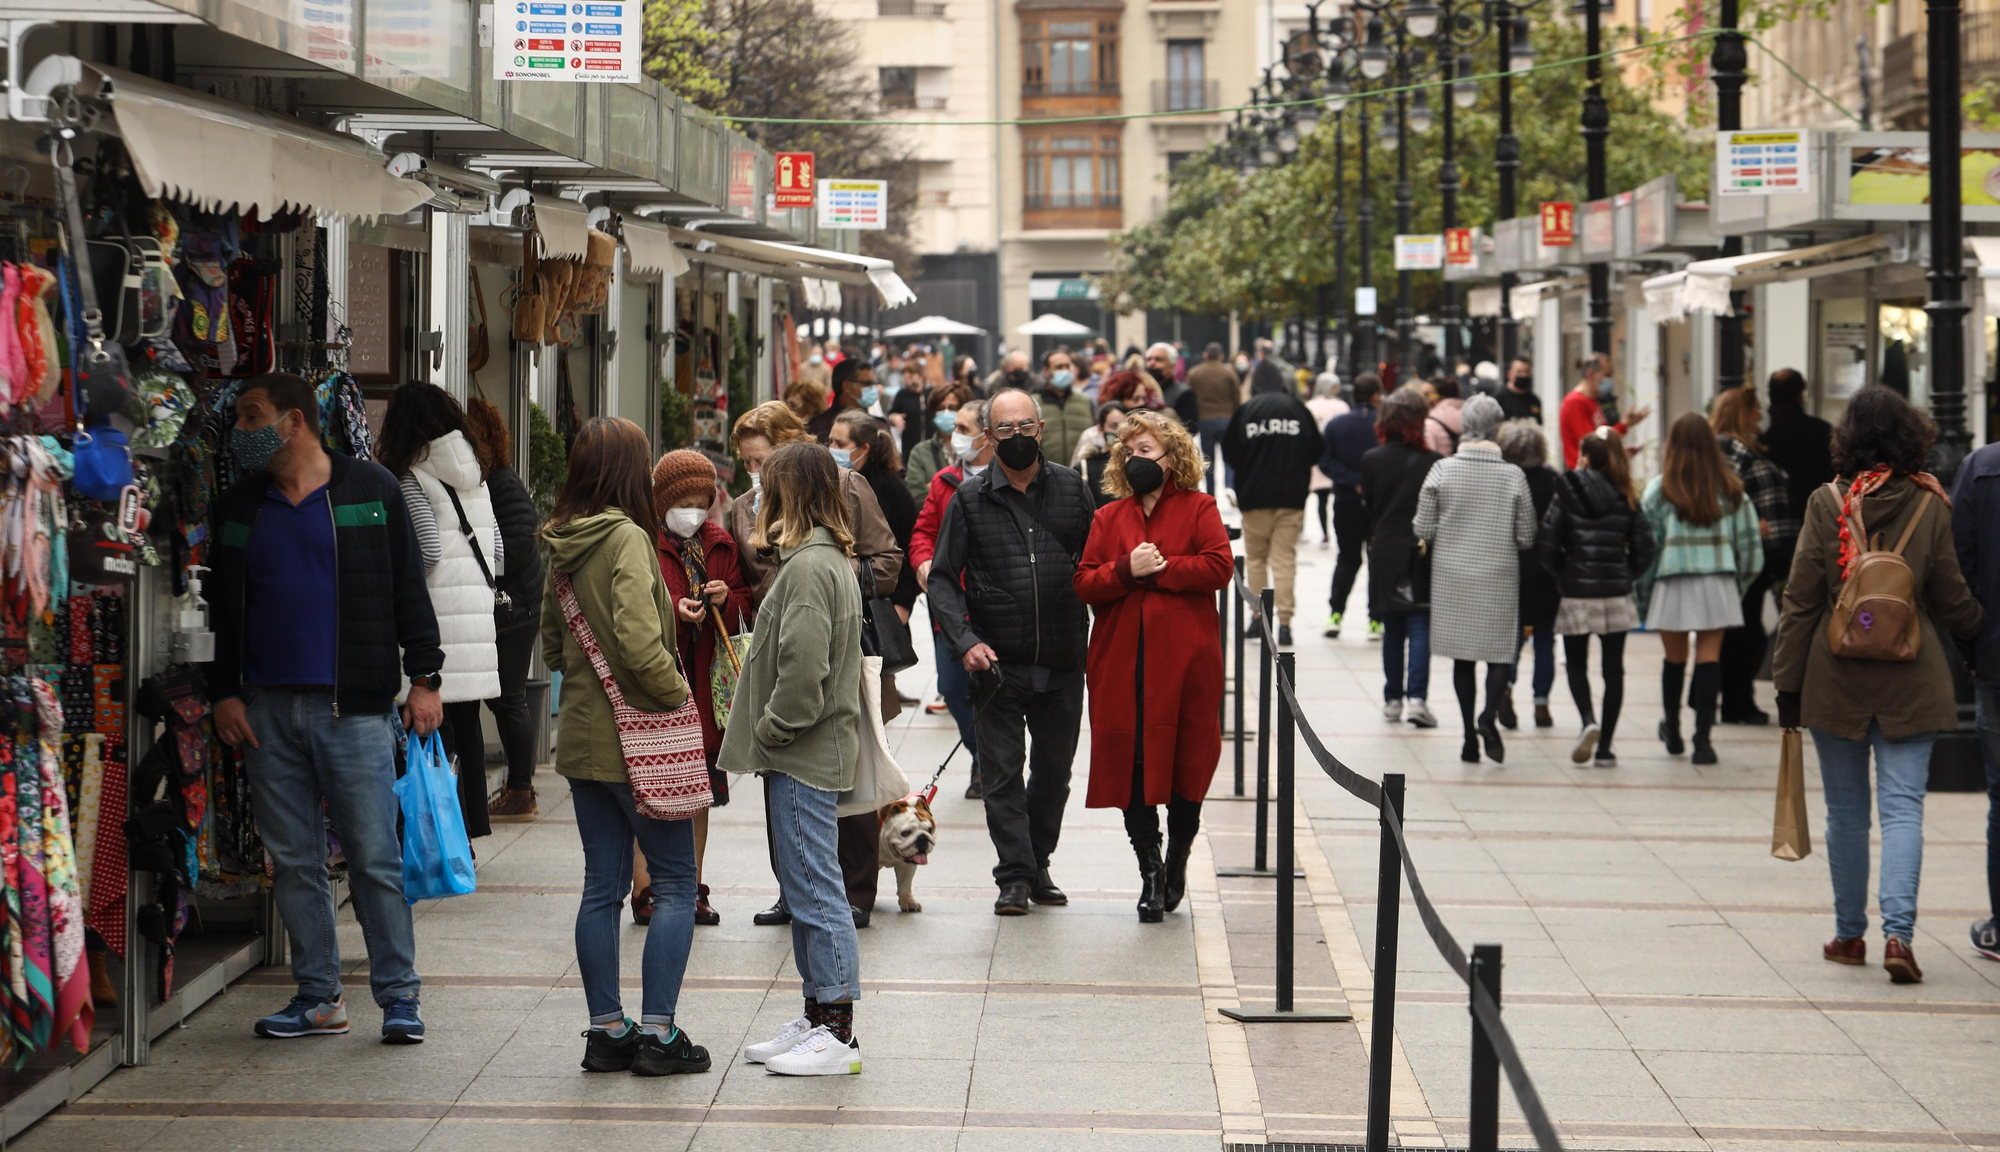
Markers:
(665, 760)
(479, 349)
(878, 779)
(102, 379)
(884, 635)
(530, 309)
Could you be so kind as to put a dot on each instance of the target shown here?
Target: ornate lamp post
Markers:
(1727, 60)
(1457, 34)
(1417, 20)
(1516, 53)
(1596, 127)
(1947, 306)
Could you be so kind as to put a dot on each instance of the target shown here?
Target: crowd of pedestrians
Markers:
(1059, 528)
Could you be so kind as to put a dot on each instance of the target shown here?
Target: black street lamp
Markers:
(1596, 127)
(1727, 60)
(1457, 34)
(1417, 20)
(1946, 308)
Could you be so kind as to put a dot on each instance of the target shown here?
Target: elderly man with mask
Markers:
(1160, 361)
(1012, 373)
(1001, 585)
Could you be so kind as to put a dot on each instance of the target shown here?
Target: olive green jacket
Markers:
(616, 574)
(798, 700)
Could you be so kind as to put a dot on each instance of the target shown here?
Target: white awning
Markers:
(218, 155)
(1705, 285)
(1526, 299)
(799, 262)
(1987, 250)
(564, 227)
(821, 295)
(650, 249)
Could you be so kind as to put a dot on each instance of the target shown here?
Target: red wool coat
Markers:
(696, 643)
(1182, 669)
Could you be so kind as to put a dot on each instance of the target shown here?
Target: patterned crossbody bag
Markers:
(664, 758)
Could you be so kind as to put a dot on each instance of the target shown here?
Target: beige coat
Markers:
(873, 541)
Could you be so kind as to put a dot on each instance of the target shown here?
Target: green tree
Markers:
(1263, 248)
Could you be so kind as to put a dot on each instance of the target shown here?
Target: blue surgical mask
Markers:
(1607, 386)
(945, 421)
(843, 456)
(868, 396)
(252, 450)
(1062, 378)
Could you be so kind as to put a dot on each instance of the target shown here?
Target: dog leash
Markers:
(929, 791)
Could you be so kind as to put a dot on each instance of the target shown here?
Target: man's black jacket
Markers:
(384, 623)
(1003, 579)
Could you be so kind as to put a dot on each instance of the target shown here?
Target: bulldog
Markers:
(909, 833)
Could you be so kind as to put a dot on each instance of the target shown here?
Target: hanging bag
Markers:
(665, 761)
(722, 677)
(1791, 835)
(479, 348)
(503, 604)
(1875, 616)
(878, 779)
(437, 855)
(884, 635)
(101, 378)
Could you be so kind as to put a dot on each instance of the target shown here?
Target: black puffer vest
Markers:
(1019, 589)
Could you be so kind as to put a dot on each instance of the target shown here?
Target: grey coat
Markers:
(1476, 512)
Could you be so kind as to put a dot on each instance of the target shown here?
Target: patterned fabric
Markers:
(1769, 489)
(1596, 616)
(1730, 545)
(1863, 484)
(665, 761)
(1474, 507)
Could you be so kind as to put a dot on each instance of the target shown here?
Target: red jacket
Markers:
(1579, 416)
(1172, 613)
(923, 538)
(696, 642)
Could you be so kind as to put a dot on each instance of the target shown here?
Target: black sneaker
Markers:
(603, 1052)
(671, 1057)
(1986, 939)
(1284, 635)
(972, 791)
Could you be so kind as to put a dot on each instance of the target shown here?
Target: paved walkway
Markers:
(1662, 979)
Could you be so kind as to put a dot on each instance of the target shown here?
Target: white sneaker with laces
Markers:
(1419, 713)
(780, 1044)
(1586, 744)
(818, 1054)
(1392, 711)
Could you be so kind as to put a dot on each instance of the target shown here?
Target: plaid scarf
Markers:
(1861, 486)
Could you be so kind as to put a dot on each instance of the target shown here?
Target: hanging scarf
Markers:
(695, 565)
(1864, 484)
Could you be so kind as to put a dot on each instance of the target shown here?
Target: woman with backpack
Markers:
(1709, 554)
(1859, 663)
(1596, 542)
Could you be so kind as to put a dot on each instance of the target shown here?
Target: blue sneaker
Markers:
(305, 1016)
(400, 1022)
(1986, 939)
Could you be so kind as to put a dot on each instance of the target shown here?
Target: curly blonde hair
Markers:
(774, 420)
(1183, 463)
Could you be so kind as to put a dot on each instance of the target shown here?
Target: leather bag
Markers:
(1875, 617)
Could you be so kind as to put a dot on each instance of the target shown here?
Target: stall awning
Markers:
(650, 250)
(1526, 299)
(1987, 250)
(821, 295)
(799, 262)
(216, 154)
(1705, 285)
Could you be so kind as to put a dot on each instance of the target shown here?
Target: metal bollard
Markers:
(1388, 913)
(1265, 645)
(1237, 687)
(1484, 1130)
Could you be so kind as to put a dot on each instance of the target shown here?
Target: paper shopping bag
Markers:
(1791, 839)
(878, 779)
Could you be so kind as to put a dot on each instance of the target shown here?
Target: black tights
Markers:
(1576, 652)
(1142, 820)
(1464, 683)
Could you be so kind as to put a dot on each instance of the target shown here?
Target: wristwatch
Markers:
(431, 681)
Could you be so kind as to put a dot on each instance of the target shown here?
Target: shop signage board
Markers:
(1057, 288)
(793, 187)
(1762, 163)
(1843, 358)
(1599, 230)
(743, 181)
(1458, 246)
(1364, 301)
(593, 41)
(862, 204)
(1419, 253)
(1558, 224)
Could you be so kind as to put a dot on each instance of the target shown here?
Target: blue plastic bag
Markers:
(437, 855)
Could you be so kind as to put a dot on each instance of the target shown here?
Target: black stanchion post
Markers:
(1266, 643)
(1237, 640)
(1388, 910)
(1483, 1134)
(1222, 600)
(1287, 796)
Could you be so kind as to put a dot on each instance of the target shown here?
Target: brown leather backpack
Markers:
(1875, 617)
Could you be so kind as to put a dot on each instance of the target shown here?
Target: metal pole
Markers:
(1484, 1128)
(1506, 159)
(1222, 599)
(1266, 643)
(1342, 306)
(1286, 668)
(1406, 313)
(1448, 194)
(1364, 212)
(1237, 639)
(1947, 306)
(1727, 60)
(1388, 912)
(1596, 127)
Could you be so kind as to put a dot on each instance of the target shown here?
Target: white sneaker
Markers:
(780, 1044)
(1419, 713)
(818, 1054)
(1392, 711)
(1586, 744)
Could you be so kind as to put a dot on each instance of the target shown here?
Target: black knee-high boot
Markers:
(1702, 691)
(1671, 677)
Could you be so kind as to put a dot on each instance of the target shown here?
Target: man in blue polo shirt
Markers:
(320, 610)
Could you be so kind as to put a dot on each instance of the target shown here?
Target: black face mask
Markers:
(1524, 383)
(1144, 475)
(1018, 451)
(1159, 376)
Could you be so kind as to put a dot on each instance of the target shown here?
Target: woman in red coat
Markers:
(1156, 558)
(704, 580)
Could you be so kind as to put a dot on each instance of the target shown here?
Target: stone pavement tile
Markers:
(1735, 1029)
(1052, 1085)
(67, 1132)
(1946, 1063)
(543, 1135)
(1571, 859)
(1533, 1026)
(933, 1026)
(1761, 1076)
(887, 1080)
(564, 1084)
(1100, 1140)
(369, 1077)
(1445, 1070)
(1173, 1031)
(1584, 1108)
(1896, 1114)
(201, 1134)
(1046, 946)
(821, 1138)
(1640, 888)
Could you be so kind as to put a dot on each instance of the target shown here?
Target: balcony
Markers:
(930, 9)
(1070, 88)
(902, 102)
(1186, 95)
(1067, 211)
(1905, 69)
(1036, 201)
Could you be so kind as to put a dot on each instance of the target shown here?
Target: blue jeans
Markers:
(1545, 664)
(1396, 628)
(607, 823)
(1902, 773)
(1987, 696)
(807, 838)
(954, 684)
(308, 764)
(1211, 431)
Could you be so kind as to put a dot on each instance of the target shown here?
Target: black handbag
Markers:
(101, 377)
(1412, 590)
(883, 632)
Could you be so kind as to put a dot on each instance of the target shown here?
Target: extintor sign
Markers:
(1558, 224)
(793, 187)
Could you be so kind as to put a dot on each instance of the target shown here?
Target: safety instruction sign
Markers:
(572, 40)
(860, 204)
(1458, 246)
(1761, 164)
(1558, 224)
(793, 187)
(1419, 253)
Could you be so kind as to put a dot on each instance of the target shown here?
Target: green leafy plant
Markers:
(676, 417)
(742, 398)
(548, 461)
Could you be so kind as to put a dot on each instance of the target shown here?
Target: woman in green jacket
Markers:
(935, 452)
(796, 720)
(601, 537)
